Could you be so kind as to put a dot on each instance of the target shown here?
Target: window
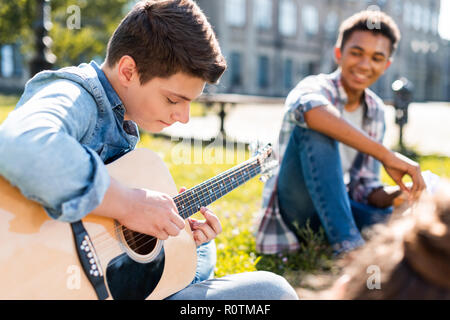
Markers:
(288, 69)
(407, 14)
(235, 12)
(287, 18)
(263, 72)
(263, 14)
(310, 19)
(331, 24)
(426, 19)
(7, 61)
(434, 22)
(417, 16)
(235, 69)
(18, 64)
(312, 68)
(397, 7)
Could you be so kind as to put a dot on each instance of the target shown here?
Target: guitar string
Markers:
(141, 236)
(180, 196)
(251, 174)
(254, 167)
(136, 249)
(218, 192)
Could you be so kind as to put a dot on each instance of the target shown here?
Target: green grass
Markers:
(238, 210)
(7, 104)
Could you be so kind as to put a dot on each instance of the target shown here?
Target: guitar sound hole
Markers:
(138, 242)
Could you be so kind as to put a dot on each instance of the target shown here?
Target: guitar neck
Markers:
(190, 201)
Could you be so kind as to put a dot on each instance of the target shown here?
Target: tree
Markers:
(80, 28)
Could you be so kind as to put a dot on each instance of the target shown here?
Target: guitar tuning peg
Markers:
(267, 169)
(254, 147)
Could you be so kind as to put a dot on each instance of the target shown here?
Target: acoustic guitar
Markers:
(97, 258)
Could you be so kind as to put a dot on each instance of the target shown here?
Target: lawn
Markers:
(238, 209)
(7, 103)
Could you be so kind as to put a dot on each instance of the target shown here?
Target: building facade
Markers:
(13, 73)
(270, 45)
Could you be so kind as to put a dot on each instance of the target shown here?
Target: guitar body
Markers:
(39, 258)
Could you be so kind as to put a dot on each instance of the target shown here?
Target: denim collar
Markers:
(111, 94)
(129, 126)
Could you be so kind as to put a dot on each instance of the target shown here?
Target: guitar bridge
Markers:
(88, 249)
(89, 260)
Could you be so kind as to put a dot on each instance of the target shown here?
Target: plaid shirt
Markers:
(324, 89)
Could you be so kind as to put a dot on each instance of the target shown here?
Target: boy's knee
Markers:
(276, 286)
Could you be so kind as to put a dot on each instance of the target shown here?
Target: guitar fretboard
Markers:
(190, 201)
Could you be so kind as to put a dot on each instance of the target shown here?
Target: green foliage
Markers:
(314, 255)
(98, 19)
(16, 19)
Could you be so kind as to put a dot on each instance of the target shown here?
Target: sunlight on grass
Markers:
(236, 210)
(7, 104)
(438, 165)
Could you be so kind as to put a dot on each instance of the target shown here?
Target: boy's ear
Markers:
(126, 69)
(337, 55)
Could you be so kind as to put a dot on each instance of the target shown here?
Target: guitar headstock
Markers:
(266, 161)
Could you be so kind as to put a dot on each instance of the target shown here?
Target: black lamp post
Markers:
(44, 58)
(403, 92)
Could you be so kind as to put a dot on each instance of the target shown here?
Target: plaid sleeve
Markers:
(310, 93)
(362, 184)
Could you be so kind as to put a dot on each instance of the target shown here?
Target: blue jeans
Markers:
(311, 187)
(259, 285)
(206, 261)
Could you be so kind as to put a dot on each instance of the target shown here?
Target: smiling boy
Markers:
(70, 122)
(331, 146)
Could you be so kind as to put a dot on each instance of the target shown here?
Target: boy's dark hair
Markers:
(412, 254)
(369, 20)
(165, 37)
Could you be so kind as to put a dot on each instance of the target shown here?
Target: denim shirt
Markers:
(54, 145)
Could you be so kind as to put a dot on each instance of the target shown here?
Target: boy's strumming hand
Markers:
(141, 210)
(153, 213)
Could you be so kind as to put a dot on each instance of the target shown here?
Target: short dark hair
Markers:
(412, 251)
(165, 37)
(376, 22)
